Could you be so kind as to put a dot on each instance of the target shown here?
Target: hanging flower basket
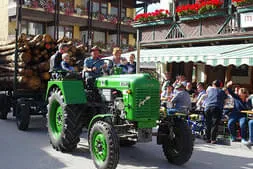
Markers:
(202, 9)
(209, 14)
(165, 21)
(152, 16)
(112, 19)
(243, 6)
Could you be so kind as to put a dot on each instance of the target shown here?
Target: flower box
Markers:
(214, 13)
(244, 9)
(153, 23)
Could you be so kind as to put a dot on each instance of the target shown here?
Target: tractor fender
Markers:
(105, 117)
(72, 90)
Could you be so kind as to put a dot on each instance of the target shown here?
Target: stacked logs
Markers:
(33, 61)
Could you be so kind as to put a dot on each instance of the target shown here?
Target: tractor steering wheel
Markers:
(110, 66)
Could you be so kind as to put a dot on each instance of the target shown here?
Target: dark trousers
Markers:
(213, 117)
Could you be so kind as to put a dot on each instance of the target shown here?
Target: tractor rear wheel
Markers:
(5, 105)
(104, 145)
(64, 122)
(22, 116)
(179, 146)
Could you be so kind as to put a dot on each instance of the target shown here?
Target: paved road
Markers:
(31, 150)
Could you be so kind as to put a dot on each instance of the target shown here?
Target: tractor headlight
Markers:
(119, 105)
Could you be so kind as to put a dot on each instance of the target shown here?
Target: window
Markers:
(95, 7)
(242, 70)
(114, 11)
(104, 8)
(31, 28)
(66, 31)
(99, 37)
(123, 12)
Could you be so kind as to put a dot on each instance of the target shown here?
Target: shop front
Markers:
(204, 63)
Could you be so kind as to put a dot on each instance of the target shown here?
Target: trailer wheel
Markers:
(5, 104)
(104, 145)
(179, 146)
(64, 121)
(22, 116)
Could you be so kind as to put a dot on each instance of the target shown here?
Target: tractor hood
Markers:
(140, 95)
(127, 81)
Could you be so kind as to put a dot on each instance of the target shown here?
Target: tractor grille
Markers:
(150, 107)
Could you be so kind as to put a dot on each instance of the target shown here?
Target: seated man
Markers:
(181, 101)
(65, 63)
(90, 69)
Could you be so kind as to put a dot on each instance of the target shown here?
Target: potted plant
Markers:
(243, 5)
(127, 20)
(113, 19)
(201, 9)
(152, 16)
(157, 17)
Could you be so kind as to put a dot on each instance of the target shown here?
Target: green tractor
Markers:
(118, 110)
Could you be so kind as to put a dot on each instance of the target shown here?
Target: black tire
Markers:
(178, 149)
(5, 105)
(112, 145)
(22, 116)
(127, 143)
(68, 137)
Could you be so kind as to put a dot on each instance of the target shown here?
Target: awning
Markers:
(225, 55)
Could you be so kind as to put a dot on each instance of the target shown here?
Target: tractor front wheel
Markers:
(64, 122)
(179, 146)
(104, 145)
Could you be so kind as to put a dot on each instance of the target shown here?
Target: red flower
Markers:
(199, 7)
(150, 16)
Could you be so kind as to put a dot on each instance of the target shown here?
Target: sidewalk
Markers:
(233, 145)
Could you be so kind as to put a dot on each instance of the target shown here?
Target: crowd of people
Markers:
(217, 101)
(91, 67)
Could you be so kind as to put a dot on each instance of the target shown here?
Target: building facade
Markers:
(106, 23)
(206, 44)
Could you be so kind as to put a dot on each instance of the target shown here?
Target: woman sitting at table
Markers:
(240, 103)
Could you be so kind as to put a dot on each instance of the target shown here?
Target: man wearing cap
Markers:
(55, 60)
(181, 101)
(90, 69)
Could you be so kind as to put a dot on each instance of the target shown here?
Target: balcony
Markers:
(37, 12)
(217, 26)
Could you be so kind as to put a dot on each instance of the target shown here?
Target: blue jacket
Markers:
(66, 66)
(239, 105)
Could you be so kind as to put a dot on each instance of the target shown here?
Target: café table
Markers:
(249, 113)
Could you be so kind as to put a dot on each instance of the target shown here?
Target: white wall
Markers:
(165, 4)
(3, 20)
